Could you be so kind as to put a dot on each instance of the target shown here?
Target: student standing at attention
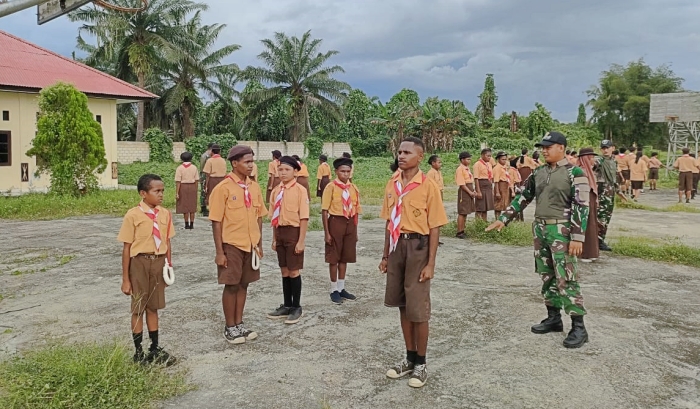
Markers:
(340, 207)
(303, 174)
(215, 169)
(236, 209)
(146, 232)
(323, 175)
(290, 220)
(435, 174)
(272, 178)
(414, 213)
(465, 192)
(203, 179)
(500, 183)
(483, 175)
(685, 165)
(347, 155)
(186, 183)
(254, 174)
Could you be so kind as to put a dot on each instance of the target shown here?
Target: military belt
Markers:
(550, 221)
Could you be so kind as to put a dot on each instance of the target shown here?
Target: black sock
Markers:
(296, 291)
(138, 339)
(192, 224)
(153, 335)
(287, 290)
(411, 355)
(420, 360)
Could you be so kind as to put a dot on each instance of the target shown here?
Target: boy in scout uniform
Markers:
(607, 174)
(236, 209)
(685, 165)
(290, 220)
(146, 232)
(340, 207)
(414, 213)
(272, 178)
(435, 174)
(483, 181)
(623, 167)
(215, 169)
(303, 174)
(654, 166)
(561, 192)
(465, 192)
(347, 155)
(203, 179)
(323, 175)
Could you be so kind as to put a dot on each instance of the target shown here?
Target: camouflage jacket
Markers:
(605, 170)
(566, 198)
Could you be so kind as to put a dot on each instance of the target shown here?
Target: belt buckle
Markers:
(150, 256)
(405, 236)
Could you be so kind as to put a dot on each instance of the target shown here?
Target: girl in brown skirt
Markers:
(483, 175)
(501, 185)
(303, 175)
(186, 183)
(323, 175)
(465, 192)
(586, 161)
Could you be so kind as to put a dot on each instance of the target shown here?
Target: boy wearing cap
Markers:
(203, 180)
(501, 183)
(685, 165)
(290, 220)
(272, 177)
(146, 232)
(483, 175)
(435, 174)
(340, 207)
(607, 174)
(465, 192)
(236, 209)
(414, 213)
(561, 192)
(215, 169)
(323, 175)
(303, 175)
(654, 166)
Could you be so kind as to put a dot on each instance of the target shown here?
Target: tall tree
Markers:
(487, 103)
(581, 118)
(138, 42)
(539, 122)
(296, 69)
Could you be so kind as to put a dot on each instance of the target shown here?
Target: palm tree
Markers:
(197, 68)
(138, 42)
(297, 70)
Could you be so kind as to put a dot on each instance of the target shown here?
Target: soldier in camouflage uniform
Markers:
(606, 171)
(203, 180)
(561, 194)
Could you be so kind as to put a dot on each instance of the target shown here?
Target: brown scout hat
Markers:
(237, 151)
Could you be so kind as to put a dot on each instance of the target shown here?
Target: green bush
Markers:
(313, 146)
(471, 145)
(509, 145)
(371, 147)
(160, 145)
(198, 145)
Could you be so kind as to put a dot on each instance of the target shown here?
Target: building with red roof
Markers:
(25, 69)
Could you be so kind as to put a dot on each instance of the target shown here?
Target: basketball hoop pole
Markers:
(8, 7)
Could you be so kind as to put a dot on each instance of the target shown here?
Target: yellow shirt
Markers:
(332, 200)
(137, 229)
(304, 172)
(499, 173)
(463, 176)
(421, 208)
(482, 170)
(323, 170)
(254, 173)
(685, 164)
(295, 204)
(239, 224)
(188, 174)
(514, 176)
(638, 171)
(437, 177)
(528, 162)
(272, 168)
(215, 167)
(654, 163)
(622, 162)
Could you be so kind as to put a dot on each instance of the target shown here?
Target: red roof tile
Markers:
(26, 65)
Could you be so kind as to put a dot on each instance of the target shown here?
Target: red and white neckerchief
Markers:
(395, 220)
(186, 164)
(508, 178)
(216, 155)
(278, 204)
(348, 207)
(469, 172)
(488, 168)
(153, 215)
(246, 192)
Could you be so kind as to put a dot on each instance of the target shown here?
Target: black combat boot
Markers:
(550, 324)
(578, 335)
(602, 246)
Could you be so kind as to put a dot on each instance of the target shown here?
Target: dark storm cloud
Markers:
(547, 51)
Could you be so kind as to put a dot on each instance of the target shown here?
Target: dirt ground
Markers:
(644, 320)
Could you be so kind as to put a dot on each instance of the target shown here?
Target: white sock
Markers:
(334, 287)
(341, 285)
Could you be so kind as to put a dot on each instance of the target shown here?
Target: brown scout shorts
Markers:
(637, 184)
(343, 247)
(654, 173)
(402, 286)
(239, 268)
(287, 238)
(685, 181)
(626, 174)
(147, 285)
(465, 203)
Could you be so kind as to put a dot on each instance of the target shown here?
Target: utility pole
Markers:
(8, 7)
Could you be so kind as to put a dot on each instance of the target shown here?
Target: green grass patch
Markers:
(65, 260)
(676, 208)
(515, 234)
(369, 216)
(315, 224)
(7, 331)
(84, 376)
(668, 250)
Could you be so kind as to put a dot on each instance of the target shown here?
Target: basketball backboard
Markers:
(56, 8)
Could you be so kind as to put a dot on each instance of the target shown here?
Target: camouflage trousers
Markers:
(556, 267)
(606, 204)
(203, 195)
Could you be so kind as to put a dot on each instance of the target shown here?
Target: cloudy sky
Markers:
(547, 51)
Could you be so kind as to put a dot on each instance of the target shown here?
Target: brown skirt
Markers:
(273, 184)
(465, 203)
(213, 181)
(525, 173)
(187, 203)
(502, 203)
(654, 174)
(304, 181)
(486, 202)
(590, 246)
(322, 186)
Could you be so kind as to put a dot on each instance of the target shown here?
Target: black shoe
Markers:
(335, 298)
(294, 316)
(281, 312)
(347, 296)
(461, 235)
(604, 247)
(158, 356)
(550, 324)
(578, 335)
(139, 357)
